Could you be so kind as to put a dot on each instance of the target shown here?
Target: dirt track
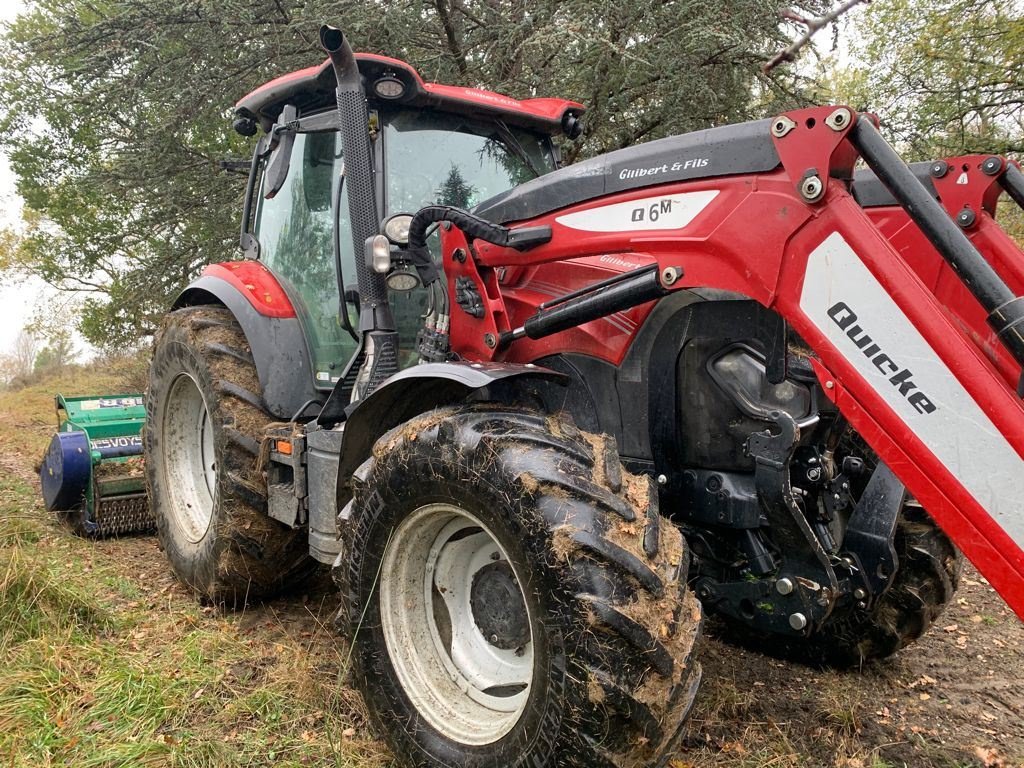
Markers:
(954, 699)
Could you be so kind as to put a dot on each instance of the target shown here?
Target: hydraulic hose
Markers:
(475, 228)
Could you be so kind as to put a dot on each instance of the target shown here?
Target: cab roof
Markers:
(312, 88)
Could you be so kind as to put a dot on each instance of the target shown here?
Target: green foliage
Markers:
(456, 190)
(116, 112)
(945, 76)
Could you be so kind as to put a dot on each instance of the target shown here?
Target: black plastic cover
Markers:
(725, 151)
(870, 192)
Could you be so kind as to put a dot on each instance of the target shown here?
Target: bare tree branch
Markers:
(813, 25)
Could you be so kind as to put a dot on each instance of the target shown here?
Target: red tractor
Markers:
(530, 414)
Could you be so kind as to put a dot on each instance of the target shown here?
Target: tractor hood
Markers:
(724, 151)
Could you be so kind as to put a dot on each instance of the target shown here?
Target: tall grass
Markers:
(103, 665)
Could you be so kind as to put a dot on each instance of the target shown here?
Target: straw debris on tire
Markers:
(244, 553)
(614, 674)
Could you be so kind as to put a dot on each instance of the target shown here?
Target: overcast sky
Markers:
(17, 299)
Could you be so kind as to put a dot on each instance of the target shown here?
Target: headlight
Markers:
(396, 228)
(389, 88)
(403, 279)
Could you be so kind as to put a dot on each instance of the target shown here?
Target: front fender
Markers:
(422, 388)
(276, 340)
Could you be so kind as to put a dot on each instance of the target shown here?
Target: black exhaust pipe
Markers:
(379, 340)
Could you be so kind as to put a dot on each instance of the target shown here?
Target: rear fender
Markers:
(422, 388)
(268, 320)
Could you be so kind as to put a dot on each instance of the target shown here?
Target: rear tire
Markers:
(205, 420)
(526, 528)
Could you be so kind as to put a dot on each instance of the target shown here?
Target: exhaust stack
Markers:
(379, 340)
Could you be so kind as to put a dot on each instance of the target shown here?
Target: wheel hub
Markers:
(456, 624)
(498, 607)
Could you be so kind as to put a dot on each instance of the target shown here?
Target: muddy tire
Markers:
(205, 418)
(927, 579)
(514, 598)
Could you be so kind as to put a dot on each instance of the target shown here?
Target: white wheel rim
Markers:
(190, 464)
(463, 685)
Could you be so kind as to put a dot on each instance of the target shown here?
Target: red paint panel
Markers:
(546, 110)
(257, 284)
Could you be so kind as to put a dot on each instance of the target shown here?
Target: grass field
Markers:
(105, 660)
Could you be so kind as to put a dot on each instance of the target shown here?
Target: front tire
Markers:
(514, 598)
(927, 580)
(205, 420)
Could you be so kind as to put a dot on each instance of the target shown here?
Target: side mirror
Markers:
(281, 154)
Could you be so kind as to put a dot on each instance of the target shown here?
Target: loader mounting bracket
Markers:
(870, 531)
(802, 593)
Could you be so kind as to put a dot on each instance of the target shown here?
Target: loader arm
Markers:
(897, 361)
(968, 188)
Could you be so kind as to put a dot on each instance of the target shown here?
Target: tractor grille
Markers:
(123, 514)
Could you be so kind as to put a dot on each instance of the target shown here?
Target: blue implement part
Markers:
(66, 471)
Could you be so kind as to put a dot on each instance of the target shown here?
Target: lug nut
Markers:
(784, 586)
(797, 621)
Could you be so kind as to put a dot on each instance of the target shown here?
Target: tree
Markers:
(58, 352)
(945, 76)
(20, 362)
(116, 113)
(455, 190)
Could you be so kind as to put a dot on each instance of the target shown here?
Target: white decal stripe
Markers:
(647, 213)
(957, 431)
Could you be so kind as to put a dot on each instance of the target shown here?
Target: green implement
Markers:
(92, 474)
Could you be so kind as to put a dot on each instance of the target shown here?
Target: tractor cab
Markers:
(429, 143)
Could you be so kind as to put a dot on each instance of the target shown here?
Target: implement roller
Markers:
(92, 474)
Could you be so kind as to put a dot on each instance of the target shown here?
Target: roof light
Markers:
(389, 87)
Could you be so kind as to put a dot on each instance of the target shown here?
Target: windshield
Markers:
(429, 157)
(445, 159)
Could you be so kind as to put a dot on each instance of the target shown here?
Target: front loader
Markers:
(530, 414)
